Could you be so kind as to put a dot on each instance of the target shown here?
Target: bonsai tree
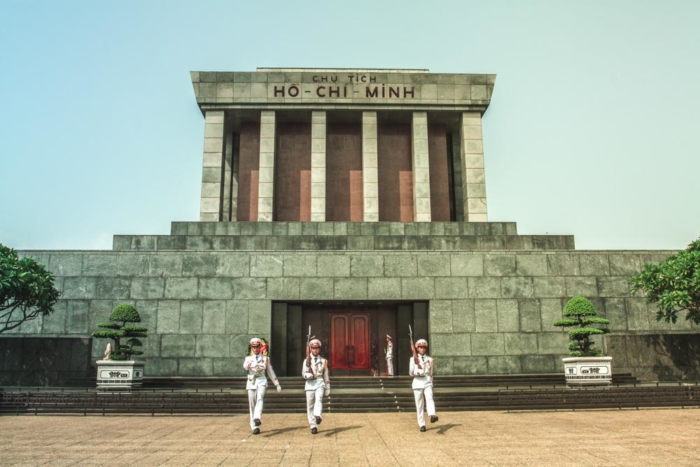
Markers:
(119, 329)
(673, 284)
(580, 312)
(26, 290)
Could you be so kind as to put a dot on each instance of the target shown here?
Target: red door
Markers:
(350, 341)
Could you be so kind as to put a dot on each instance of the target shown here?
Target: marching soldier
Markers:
(315, 372)
(389, 355)
(421, 369)
(257, 364)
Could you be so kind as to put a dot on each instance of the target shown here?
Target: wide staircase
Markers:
(349, 395)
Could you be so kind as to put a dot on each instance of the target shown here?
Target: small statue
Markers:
(108, 351)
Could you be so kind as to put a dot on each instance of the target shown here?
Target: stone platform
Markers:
(328, 236)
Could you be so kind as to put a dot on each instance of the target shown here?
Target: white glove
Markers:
(418, 372)
(327, 392)
(279, 388)
(308, 375)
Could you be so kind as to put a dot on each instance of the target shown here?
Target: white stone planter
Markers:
(119, 374)
(588, 370)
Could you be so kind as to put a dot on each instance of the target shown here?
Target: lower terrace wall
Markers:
(489, 312)
(44, 361)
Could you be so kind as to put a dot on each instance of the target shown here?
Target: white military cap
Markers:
(420, 342)
(315, 343)
(255, 341)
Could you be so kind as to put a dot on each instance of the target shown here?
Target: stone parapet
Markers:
(342, 242)
(344, 228)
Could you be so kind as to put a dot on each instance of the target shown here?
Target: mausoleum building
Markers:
(352, 201)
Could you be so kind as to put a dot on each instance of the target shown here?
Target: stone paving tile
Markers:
(489, 439)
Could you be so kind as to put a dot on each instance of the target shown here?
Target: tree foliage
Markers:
(119, 328)
(580, 312)
(26, 290)
(673, 284)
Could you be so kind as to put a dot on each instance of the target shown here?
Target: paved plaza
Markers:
(591, 438)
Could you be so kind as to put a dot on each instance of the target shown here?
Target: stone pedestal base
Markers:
(588, 370)
(119, 374)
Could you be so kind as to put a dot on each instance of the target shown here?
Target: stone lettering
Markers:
(371, 92)
(406, 92)
(293, 90)
(279, 90)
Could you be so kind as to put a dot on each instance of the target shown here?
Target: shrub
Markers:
(119, 330)
(580, 312)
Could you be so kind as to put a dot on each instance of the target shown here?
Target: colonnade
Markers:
(220, 190)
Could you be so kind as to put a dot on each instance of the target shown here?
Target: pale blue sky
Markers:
(593, 129)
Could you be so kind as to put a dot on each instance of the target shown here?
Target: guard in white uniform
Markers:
(423, 384)
(389, 355)
(317, 384)
(257, 365)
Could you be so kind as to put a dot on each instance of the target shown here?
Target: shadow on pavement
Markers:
(441, 430)
(335, 431)
(282, 430)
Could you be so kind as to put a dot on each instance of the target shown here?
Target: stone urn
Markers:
(589, 371)
(119, 374)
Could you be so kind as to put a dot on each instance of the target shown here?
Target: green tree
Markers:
(579, 311)
(673, 284)
(26, 290)
(120, 329)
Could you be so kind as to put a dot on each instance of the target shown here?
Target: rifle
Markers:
(308, 349)
(413, 348)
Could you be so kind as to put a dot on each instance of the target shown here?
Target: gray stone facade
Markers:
(205, 289)
(490, 311)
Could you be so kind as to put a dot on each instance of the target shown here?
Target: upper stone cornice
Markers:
(333, 88)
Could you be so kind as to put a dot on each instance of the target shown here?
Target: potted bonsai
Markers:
(586, 364)
(117, 369)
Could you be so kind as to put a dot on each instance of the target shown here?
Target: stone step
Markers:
(341, 242)
(343, 228)
(212, 402)
(359, 382)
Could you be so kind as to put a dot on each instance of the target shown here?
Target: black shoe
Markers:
(257, 422)
(422, 429)
(256, 431)
(314, 431)
(433, 418)
(318, 420)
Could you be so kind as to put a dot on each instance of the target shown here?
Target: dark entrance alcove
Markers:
(352, 333)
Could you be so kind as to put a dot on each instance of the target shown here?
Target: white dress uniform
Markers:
(423, 387)
(317, 383)
(389, 357)
(257, 366)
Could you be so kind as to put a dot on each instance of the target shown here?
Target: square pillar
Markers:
(266, 179)
(230, 183)
(473, 180)
(210, 207)
(370, 184)
(318, 166)
(421, 167)
(457, 176)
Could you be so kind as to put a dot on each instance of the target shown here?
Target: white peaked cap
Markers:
(315, 343)
(255, 340)
(421, 341)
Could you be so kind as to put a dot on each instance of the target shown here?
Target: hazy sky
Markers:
(593, 129)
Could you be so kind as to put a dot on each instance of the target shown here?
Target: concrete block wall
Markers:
(489, 312)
